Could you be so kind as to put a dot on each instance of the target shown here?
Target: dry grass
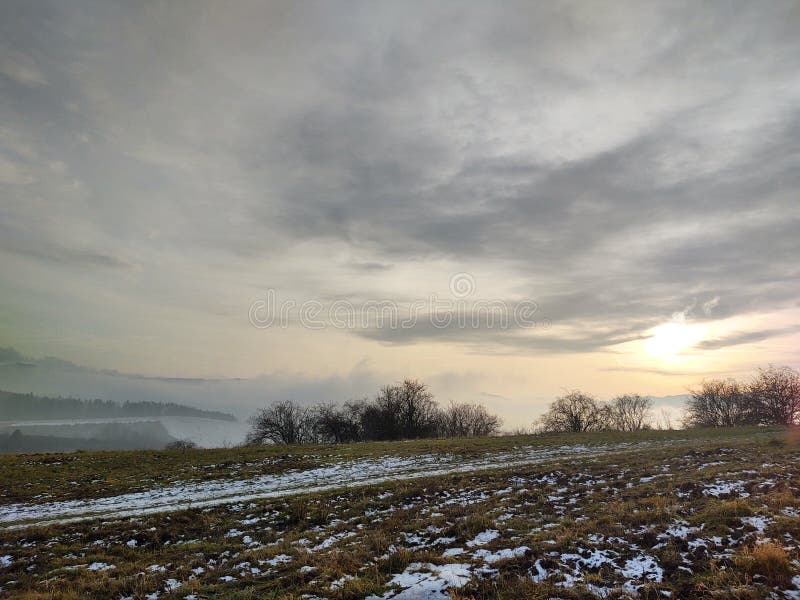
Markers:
(601, 497)
(769, 560)
(56, 476)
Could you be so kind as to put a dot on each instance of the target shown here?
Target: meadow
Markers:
(654, 514)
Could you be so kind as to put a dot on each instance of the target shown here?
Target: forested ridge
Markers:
(15, 406)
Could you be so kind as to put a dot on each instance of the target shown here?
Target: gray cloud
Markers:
(746, 337)
(371, 266)
(615, 163)
(481, 334)
(42, 250)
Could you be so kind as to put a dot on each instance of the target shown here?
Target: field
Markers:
(682, 514)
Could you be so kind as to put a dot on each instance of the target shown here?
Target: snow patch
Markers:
(421, 580)
(484, 537)
(643, 567)
(492, 557)
(721, 489)
(760, 524)
(281, 559)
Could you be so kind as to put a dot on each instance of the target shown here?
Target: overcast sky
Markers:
(631, 168)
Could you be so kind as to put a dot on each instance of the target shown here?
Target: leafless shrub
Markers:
(775, 396)
(468, 420)
(574, 412)
(629, 412)
(719, 403)
(402, 411)
(282, 423)
(336, 425)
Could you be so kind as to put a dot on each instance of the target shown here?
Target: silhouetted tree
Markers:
(402, 411)
(574, 411)
(719, 403)
(775, 396)
(335, 424)
(282, 423)
(629, 412)
(419, 413)
(468, 420)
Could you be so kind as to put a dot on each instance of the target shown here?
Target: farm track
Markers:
(346, 474)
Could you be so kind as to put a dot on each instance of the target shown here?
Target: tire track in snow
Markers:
(349, 474)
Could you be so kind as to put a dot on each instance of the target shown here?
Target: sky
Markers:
(625, 175)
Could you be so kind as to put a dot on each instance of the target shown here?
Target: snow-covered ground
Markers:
(354, 473)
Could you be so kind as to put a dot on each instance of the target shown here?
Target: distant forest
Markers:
(15, 407)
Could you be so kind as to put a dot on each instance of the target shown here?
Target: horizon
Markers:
(52, 377)
(305, 202)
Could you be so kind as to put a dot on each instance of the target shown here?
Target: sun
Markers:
(669, 340)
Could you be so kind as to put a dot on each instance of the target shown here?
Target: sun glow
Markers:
(669, 340)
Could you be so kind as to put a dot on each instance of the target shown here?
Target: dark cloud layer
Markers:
(617, 163)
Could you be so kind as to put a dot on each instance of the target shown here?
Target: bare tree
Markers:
(629, 412)
(719, 403)
(403, 411)
(372, 425)
(380, 419)
(574, 411)
(483, 422)
(282, 423)
(468, 420)
(420, 415)
(775, 394)
(336, 425)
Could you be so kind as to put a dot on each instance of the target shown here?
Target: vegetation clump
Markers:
(398, 412)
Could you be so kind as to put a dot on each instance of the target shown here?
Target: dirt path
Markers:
(356, 473)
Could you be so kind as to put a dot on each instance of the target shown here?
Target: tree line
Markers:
(408, 411)
(772, 397)
(577, 412)
(16, 407)
(398, 412)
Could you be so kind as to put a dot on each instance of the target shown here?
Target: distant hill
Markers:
(84, 436)
(16, 407)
